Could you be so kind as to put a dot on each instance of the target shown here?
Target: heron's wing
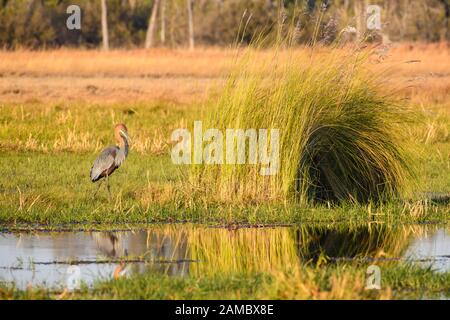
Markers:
(103, 162)
(120, 157)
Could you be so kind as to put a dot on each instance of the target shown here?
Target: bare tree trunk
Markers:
(346, 4)
(105, 26)
(405, 18)
(359, 9)
(151, 25)
(163, 22)
(172, 17)
(191, 25)
(384, 33)
(445, 33)
(30, 8)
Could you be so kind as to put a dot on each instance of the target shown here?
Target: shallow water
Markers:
(57, 259)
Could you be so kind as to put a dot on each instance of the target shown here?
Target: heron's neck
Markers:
(123, 146)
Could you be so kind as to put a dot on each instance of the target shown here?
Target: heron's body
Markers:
(111, 157)
(107, 162)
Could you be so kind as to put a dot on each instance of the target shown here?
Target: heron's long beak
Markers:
(125, 135)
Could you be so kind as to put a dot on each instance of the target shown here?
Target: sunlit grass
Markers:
(341, 130)
(333, 282)
(47, 148)
(83, 128)
(47, 181)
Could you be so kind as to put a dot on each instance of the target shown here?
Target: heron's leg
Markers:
(98, 188)
(107, 185)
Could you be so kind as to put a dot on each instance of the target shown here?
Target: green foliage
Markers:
(43, 24)
(40, 24)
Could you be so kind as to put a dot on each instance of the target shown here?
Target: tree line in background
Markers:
(178, 23)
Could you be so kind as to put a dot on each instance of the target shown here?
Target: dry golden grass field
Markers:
(421, 70)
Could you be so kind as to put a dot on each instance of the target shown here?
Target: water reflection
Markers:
(373, 241)
(108, 244)
(159, 250)
(43, 258)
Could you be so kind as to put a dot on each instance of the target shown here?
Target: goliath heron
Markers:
(111, 158)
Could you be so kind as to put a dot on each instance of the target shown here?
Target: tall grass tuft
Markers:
(340, 128)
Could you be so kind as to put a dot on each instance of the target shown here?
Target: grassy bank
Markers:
(45, 171)
(335, 282)
(148, 189)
